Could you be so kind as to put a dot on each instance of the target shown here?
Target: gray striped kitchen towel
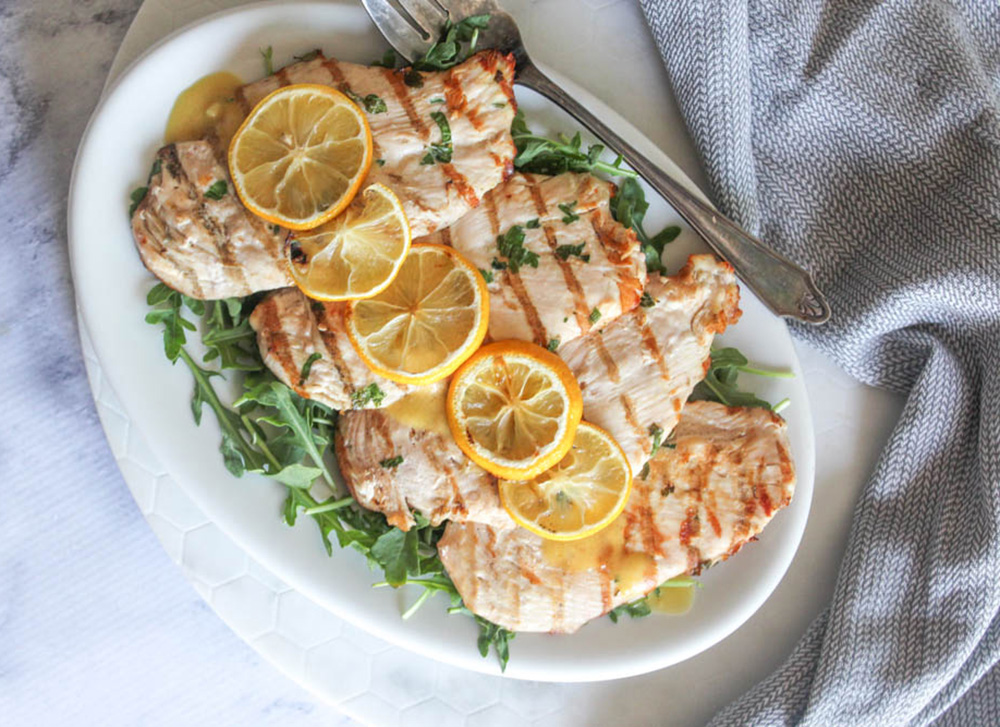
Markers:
(862, 139)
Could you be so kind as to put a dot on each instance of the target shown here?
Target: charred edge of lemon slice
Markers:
(300, 277)
(348, 195)
(574, 409)
(586, 532)
(467, 349)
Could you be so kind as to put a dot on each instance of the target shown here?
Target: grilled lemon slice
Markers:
(513, 408)
(582, 494)
(301, 155)
(355, 255)
(430, 318)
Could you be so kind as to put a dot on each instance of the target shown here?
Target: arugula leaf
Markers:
(310, 56)
(268, 55)
(217, 190)
(307, 366)
(297, 475)
(533, 224)
(541, 155)
(448, 51)
(496, 636)
(720, 382)
(629, 207)
(511, 246)
(440, 151)
(388, 59)
(174, 324)
(136, 198)
(229, 337)
(396, 552)
(371, 394)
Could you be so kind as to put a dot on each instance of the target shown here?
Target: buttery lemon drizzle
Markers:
(675, 599)
(604, 551)
(422, 409)
(206, 108)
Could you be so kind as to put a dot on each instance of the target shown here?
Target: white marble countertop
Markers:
(97, 625)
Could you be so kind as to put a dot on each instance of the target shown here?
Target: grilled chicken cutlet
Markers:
(730, 473)
(210, 246)
(437, 181)
(433, 476)
(207, 246)
(575, 270)
(291, 328)
(636, 373)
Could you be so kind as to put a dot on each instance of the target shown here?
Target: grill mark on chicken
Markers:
(241, 99)
(457, 505)
(332, 341)
(513, 281)
(209, 224)
(456, 100)
(283, 78)
(608, 360)
(628, 295)
(279, 347)
(650, 344)
(461, 184)
(581, 312)
(333, 68)
(402, 93)
(444, 236)
(489, 64)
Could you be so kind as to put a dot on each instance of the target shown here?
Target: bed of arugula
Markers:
(269, 430)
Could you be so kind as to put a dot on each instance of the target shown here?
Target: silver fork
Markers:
(412, 26)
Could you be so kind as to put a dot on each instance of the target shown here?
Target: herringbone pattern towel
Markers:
(862, 138)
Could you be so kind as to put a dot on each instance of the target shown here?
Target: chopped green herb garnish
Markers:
(646, 301)
(487, 275)
(371, 103)
(380, 162)
(448, 51)
(268, 55)
(441, 151)
(595, 316)
(217, 190)
(511, 246)
(565, 251)
(533, 224)
(388, 59)
(498, 264)
(276, 229)
(310, 56)
(499, 105)
(392, 462)
(307, 366)
(644, 472)
(413, 79)
(371, 394)
(436, 100)
(553, 345)
(656, 432)
(568, 214)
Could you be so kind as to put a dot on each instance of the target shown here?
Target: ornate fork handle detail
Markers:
(785, 288)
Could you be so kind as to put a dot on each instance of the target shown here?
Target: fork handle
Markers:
(785, 288)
